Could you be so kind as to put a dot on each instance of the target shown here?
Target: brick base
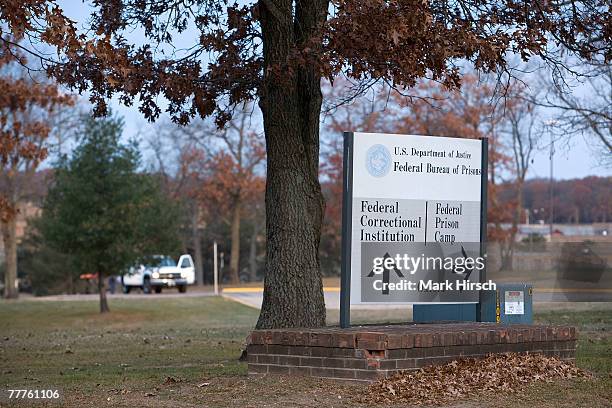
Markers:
(367, 353)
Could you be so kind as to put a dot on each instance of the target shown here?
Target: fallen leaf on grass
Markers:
(436, 385)
(171, 380)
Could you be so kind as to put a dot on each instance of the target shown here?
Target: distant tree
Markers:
(255, 214)
(585, 200)
(522, 128)
(47, 270)
(214, 171)
(188, 192)
(235, 176)
(583, 105)
(178, 164)
(27, 105)
(332, 186)
(101, 211)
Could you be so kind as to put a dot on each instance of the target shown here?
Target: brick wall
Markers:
(367, 353)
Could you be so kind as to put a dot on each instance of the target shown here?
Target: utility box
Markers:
(509, 303)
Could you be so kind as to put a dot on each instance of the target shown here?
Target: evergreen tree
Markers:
(101, 211)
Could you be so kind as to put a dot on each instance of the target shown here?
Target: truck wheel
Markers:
(126, 289)
(146, 286)
(182, 288)
(158, 289)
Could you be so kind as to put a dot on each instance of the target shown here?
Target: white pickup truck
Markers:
(160, 271)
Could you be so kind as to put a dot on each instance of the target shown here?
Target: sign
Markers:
(411, 203)
(514, 302)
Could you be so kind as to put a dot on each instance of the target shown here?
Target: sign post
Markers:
(413, 220)
(484, 180)
(215, 270)
(347, 195)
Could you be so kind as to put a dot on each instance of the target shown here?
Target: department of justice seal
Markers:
(378, 160)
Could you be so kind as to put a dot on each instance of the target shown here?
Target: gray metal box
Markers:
(510, 303)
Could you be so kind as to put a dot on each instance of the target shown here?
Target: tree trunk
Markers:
(253, 252)
(197, 245)
(102, 291)
(508, 265)
(577, 215)
(9, 229)
(507, 253)
(235, 250)
(293, 289)
(70, 284)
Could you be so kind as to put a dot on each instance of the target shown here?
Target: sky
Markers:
(574, 158)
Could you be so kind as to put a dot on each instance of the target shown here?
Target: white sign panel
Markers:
(412, 197)
(514, 302)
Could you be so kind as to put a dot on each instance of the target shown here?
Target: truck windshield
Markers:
(158, 262)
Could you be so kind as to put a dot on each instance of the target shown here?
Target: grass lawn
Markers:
(183, 352)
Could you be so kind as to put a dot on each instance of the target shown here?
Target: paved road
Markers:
(254, 296)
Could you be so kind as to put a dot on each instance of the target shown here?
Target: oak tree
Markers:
(277, 52)
(26, 106)
(234, 177)
(216, 171)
